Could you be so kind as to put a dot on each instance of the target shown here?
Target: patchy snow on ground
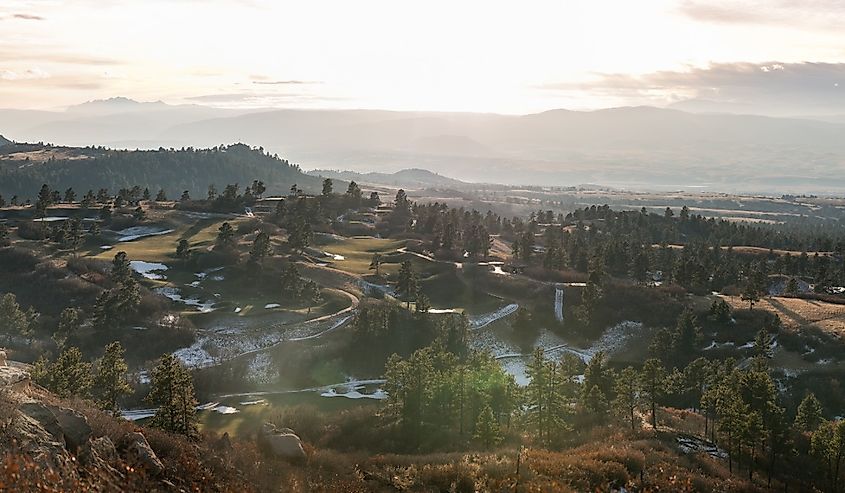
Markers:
(149, 270)
(379, 394)
(50, 219)
(690, 444)
(261, 369)
(270, 306)
(215, 347)
(138, 232)
(254, 402)
(497, 269)
(370, 289)
(613, 339)
(106, 247)
(482, 321)
(334, 256)
(225, 410)
(443, 310)
(175, 295)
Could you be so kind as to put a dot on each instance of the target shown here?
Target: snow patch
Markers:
(482, 321)
(138, 232)
(149, 270)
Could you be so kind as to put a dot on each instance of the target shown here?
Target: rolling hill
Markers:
(25, 167)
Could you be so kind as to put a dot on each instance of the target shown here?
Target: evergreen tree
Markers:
(13, 319)
(225, 236)
(68, 325)
(172, 393)
(183, 249)
(291, 282)
(261, 248)
(311, 293)
(809, 416)
(487, 428)
(652, 381)
(627, 393)
(121, 269)
(328, 187)
(70, 375)
(407, 284)
(161, 196)
(375, 264)
(110, 378)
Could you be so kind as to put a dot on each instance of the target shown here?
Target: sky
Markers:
(775, 56)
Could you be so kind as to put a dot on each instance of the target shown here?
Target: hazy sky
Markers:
(509, 57)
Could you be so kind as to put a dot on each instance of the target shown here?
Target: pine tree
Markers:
(327, 187)
(291, 282)
(652, 381)
(225, 236)
(121, 269)
(627, 393)
(110, 378)
(70, 375)
(172, 392)
(183, 249)
(14, 320)
(68, 325)
(161, 196)
(487, 428)
(809, 416)
(407, 284)
(261, 248)
(375, 264)
(311, 293)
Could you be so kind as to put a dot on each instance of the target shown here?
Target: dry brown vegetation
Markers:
(799, 313)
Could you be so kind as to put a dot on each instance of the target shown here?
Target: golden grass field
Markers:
(797, 313)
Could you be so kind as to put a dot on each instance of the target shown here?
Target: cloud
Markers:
(260, 99)
(50, 54)
(29, 74)
(286, 82)
(28, 17)
(764, 88)
(807, 13)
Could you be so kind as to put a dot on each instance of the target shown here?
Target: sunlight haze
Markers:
(502, 57)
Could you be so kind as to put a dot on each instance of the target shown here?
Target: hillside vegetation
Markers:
(25, 167)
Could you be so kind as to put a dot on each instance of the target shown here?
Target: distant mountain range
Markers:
(635, 147)
(408, 178)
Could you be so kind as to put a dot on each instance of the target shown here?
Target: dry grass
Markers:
(798, 313)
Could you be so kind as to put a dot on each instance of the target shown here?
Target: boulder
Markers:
(74, 427)
(67, 426)
(44, 417)
(138, 452)
(281, 443)
(3, 360)
(99, 454)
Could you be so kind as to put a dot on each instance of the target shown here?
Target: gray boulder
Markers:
(281, 443)
(138, 452)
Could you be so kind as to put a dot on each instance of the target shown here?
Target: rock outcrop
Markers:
(139, 453)
(282, 443)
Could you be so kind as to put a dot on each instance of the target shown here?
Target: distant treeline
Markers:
(172, 170)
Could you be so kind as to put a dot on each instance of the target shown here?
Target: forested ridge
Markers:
(169, 169)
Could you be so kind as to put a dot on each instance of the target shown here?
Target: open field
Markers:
(357, 252)
(797, 313)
